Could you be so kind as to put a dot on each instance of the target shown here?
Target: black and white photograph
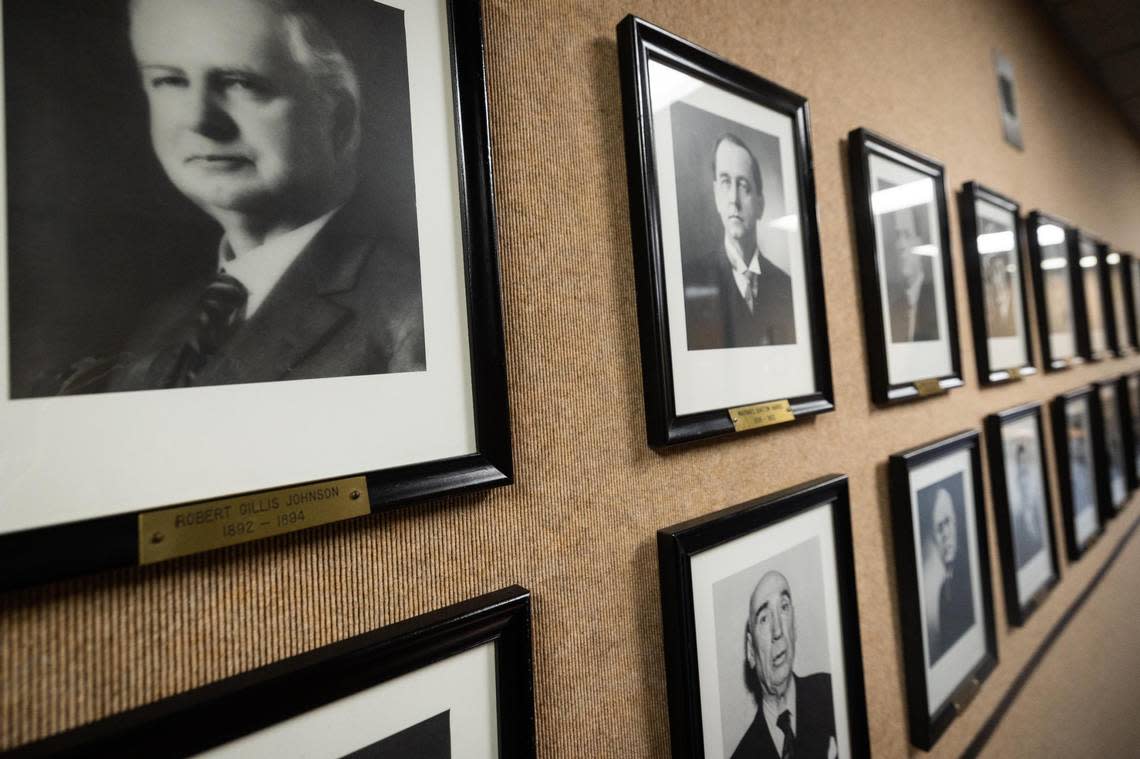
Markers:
(904, 263)
(1078, 467)
(1021, 508)
(1130, 389)
(1085, 260)
(221, 230)
(1115, 482)
(945, 599)
(726, 248)
(762, 643)
(1121, 336)
(1048, 238)
(1133, 277)
(456, 683)
(991, 239)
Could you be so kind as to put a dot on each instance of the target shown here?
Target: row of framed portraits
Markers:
(761, 621)
(727, 250)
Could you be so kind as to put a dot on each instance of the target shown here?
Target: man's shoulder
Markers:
(755, 739)
(816, 686)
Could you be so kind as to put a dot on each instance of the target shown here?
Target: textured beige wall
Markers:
(578, 527)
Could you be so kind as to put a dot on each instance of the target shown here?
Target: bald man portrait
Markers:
(949, 603)
(795, 717)
(260, 114)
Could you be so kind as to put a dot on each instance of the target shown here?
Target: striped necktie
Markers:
(221, 310)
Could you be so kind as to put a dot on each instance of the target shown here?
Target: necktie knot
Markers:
(784, 722)
(221, 310)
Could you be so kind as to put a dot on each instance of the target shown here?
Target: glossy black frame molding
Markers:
(1120, 340)
(1057, 408)
(1131, 298)
(926, 729)
(1052, 363)
(1110, 510)
(638, 42)
(861, 143)
(1131, 439)
(970, 193)
(1016, 613)
(676, 547)
(1074, 236)
(52, 553)
(212, 715)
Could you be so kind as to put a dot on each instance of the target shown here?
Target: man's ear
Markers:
(748, 655)
(759, 206)
(346, 126)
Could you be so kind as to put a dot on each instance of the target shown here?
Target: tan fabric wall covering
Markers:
(578, 527)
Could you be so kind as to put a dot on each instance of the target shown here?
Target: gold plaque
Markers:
(964, 695)
(1014, 374)
(760, 415)
(182, 530)
(930, 386)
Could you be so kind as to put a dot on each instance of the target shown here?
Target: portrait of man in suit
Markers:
(256, 116)
(735, 296)
(795, 715)
(998, 284)
(909, 259)
(949, 600)
(1026, 504)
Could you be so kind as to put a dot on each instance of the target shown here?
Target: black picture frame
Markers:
(1129, 333)
(926, 726)
(1082, 297)
(1052, 360)
(1132, 296)
(50, 553)
(212, 715)
(676, 548)
(1074, 546)
(1129, 389)
(1114, 267)
(968, 197)
(640, 42)
(862, 143)
(1110, 505)
(1016, 612)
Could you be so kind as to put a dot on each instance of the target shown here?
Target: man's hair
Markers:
(729, 137)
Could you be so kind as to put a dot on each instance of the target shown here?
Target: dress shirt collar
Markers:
(772, 713)
(736, 258)
(260, 269)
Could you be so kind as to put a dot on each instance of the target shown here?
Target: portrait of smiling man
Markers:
(264, 114)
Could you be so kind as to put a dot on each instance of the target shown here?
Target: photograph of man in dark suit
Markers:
(909, 263)
(950, 605)
(735, 297)
(256, 118)
(795, 717)
(998, 284)
(1027, 505)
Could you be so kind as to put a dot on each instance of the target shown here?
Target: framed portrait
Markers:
(726, 244)
(911, 323)
(761, 628)
(991, 241)
(1114, 483)
(1016, 453)
(1048, 238)
(454, 682)
(244, 287)
(945, 601)
(1076, 419)
(1129, 389)
(1085, 263)
(1133, 294)
(1121, 336)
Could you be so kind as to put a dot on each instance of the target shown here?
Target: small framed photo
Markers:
(1121, 333)
(945, 600)
(761, 629)
(726, 247)
(1076, 419)
(1129, 390)
(1114, 485)
(999, 312)
(454, 682)
(1132, 294)
(238, 294)
(904, 263)
(1048, 238)
(1086, 259)
(1016, 453)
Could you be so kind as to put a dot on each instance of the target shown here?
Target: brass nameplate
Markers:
(182, 530)
(761, 415)
(1014, 373)
(964, 695)
(931, 386)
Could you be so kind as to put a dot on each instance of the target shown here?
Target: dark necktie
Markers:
(753, 289)
(221, 309)
(784, 722)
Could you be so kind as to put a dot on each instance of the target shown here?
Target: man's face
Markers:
(737, 198)
(906, 240)
(945, 527)
(238, 125)
(770, 641)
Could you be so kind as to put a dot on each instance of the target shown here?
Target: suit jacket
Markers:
(925, 313)
(955, 611)
(815, 724)
(717, 316)
(349, 304)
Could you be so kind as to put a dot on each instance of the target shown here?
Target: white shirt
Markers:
(740, 269)
(260, 269)
(773, 712)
